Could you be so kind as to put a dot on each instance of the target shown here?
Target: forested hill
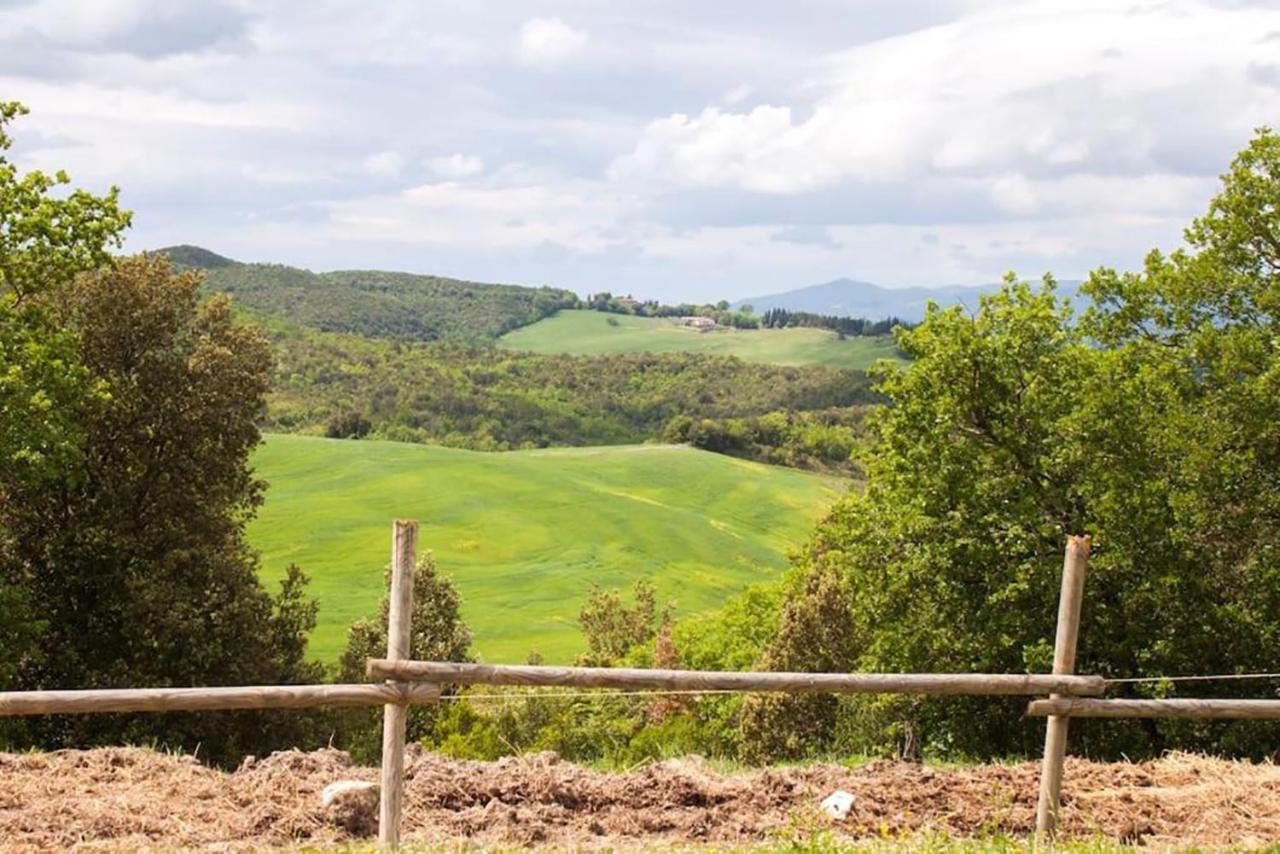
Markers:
(410, 358)
(374, 303)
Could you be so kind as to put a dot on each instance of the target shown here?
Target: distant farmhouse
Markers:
(698, 322)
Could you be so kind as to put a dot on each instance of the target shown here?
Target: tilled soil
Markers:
(130, 798)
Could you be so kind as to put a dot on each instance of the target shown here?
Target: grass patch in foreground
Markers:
(589, 333)
(525, 534)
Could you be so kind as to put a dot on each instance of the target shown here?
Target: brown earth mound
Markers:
(129, 798)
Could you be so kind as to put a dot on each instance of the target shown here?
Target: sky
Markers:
(673, 150)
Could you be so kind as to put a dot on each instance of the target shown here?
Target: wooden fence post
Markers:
(404, 549)
(1064, 662)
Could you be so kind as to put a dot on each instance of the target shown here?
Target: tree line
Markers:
(377, 304)
(489, 399)
(781, 318)
(720, 312)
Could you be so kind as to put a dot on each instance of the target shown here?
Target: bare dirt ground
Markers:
(130, 798)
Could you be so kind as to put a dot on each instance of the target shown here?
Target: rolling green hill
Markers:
(525, 534)
(590, 333)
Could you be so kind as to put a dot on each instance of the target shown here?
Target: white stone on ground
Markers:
(837, 804)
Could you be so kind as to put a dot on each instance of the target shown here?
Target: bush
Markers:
(347, 425)
(438, 633)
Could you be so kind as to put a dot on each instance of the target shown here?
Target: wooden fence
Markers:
(407, 682)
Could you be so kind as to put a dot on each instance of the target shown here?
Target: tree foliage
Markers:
(437, 633)
(1152, 423)
(719, 312)
(374, 303)
(612, 629)
(818, 440)
(781, 318)
(47, 236)
(134, 548)
(490, 399)
(816, 632)
(613, 727)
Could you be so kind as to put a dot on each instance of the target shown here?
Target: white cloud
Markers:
(548, 41)
(455, 166)
(762, 151)
(384, 164)
(1081, 193)
(1017, 88)
(575, 215)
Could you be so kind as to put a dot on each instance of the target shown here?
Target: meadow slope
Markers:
(588, 333)
(525, 534)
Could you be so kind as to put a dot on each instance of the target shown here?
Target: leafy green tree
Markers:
(612, 629)
(1151, 424)
(134, 547)
(438, 633)
(46, 237)
(816, 632)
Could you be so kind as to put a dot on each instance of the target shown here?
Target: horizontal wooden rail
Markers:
(1186, 709)
(701, 680)
(209, 699)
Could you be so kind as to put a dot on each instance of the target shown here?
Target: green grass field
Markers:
(525, 534)
(590, 332)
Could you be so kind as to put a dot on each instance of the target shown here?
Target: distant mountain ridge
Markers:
(853, 298)
(374, 303)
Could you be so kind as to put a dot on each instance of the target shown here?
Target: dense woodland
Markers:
(490, 399)
(399, 306)
(819, 440)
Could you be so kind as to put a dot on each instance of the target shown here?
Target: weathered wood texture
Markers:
(1074, 566)
(630, 678)
(210, 699)
(1184, 709)
(404, 551)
